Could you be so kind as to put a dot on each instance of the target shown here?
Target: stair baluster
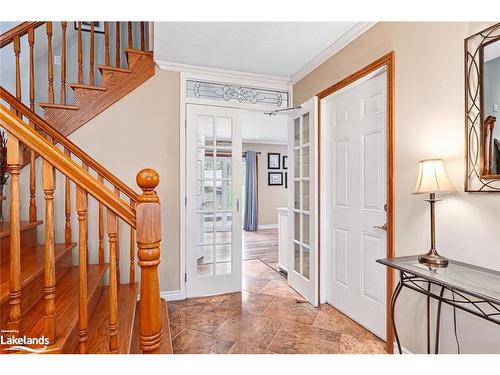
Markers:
(14, 162)
(67, 205)
(48, 182)
(17, 52)
(118, 30)
(106, 43)
(117, 193)
(83, 319)
(112, 227)
(63, 62)
(148, 224)
(130, 39)
(80, 54)
(132, 250)
(143, 41)
(50, 66)
(101, 227)
(91, 64)
(31, 43)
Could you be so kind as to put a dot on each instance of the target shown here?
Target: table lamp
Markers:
(432, 179)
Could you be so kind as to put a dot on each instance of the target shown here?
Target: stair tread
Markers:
(24, 225)
(114, 69)
(166, 344)
(67, 305)
(87, 87)
(98, 340)
(59, 106)
(32, 265)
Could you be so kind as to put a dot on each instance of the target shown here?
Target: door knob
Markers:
(383, 227)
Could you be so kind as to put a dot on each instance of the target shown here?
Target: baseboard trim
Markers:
(172, 295)
(268, 226)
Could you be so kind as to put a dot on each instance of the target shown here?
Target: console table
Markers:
(470, 288)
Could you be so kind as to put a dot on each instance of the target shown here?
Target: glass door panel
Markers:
(214, 166)
(302, 205)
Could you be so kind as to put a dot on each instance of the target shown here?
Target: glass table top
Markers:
(477, 281)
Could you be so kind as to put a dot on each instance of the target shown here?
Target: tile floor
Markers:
(261, 244)
(266, 317)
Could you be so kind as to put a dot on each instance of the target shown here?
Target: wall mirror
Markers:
(482, 90)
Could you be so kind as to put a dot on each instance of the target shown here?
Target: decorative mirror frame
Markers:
(474, 179)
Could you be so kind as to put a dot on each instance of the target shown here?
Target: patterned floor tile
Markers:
(192, 342)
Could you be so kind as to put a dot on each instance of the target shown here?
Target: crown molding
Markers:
(353, 33)
(270, 81)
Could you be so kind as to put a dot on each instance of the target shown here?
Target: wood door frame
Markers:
(387, 61)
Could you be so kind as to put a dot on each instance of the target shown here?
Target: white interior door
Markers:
(213, 219)
(302, 201)
(355, 235)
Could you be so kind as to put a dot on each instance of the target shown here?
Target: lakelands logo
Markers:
(14, 342)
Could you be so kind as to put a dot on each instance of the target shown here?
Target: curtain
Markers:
(250, 220)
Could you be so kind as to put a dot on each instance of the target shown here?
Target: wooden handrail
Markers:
(17, 31)
(65, 165)
(74, 149)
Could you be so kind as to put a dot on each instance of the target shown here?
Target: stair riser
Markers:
(134, 58)
(28, 238)
(71, 343)
(33, 293)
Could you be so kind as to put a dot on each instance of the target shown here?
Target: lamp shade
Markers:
(432, 178)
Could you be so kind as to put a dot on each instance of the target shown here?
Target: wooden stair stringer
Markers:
(116, 84)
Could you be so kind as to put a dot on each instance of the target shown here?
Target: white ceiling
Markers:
(269, 48)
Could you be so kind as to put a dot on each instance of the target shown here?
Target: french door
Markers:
(355, 236)
(213, 184)
(303, 202)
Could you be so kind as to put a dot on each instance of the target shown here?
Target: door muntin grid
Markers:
(214, 195)
(302, 185)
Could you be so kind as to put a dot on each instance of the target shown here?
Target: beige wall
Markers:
(270, 197)
(140, 130)
(429, 122)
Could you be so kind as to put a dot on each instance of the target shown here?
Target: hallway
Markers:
(261, 244)
(267, 317)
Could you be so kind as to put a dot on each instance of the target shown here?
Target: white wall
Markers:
(429, 122)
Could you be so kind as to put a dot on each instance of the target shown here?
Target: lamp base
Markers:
(432, 258)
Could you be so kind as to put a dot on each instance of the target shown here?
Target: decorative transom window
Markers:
(242, 94)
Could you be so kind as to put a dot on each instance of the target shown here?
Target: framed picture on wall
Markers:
(98, 26)
(273, 160)
(275, 178)
(285, 162)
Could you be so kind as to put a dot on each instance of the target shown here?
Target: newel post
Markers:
(148, 227)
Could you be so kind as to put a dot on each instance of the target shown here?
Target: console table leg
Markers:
(393, 304)
(438, 320)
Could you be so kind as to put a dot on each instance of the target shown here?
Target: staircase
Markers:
(50, 289)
